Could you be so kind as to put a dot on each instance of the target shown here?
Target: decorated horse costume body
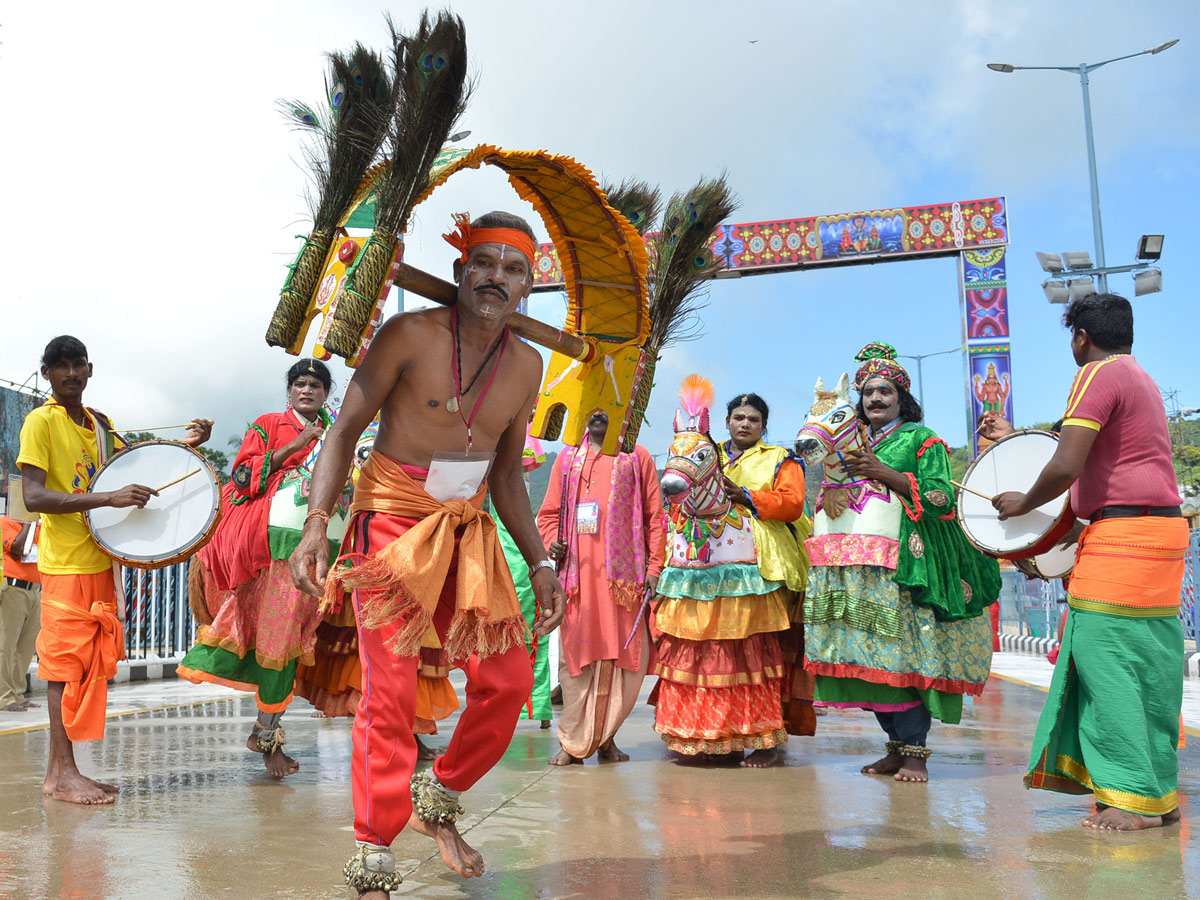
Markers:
(895, 594)
(719, 657)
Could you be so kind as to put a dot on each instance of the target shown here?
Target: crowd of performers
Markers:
(357, 580)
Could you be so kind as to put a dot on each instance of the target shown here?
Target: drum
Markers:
(172, 526)
(1056, 563)
(1013, 463)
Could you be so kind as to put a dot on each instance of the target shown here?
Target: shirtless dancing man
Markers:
(442, 380)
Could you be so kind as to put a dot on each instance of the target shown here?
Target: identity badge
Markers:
(587, 518)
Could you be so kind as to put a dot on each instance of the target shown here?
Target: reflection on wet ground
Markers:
(198, 819)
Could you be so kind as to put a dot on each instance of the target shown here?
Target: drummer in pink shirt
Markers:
(1111, 725)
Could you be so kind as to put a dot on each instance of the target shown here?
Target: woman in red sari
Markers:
(257, 626)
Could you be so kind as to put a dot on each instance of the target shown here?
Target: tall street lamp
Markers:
(1082, 70)
(918, 357)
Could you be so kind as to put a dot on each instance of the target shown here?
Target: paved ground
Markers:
(197, 819)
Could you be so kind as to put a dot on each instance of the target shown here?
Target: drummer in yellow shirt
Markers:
(63, 443)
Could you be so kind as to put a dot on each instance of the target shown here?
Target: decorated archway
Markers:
(974, 231)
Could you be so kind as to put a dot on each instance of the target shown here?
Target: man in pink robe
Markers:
(602, 519)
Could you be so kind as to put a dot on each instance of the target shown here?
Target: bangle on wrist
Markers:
(542, 564)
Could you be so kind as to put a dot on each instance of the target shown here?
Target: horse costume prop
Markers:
(720, 662)
(849, 511)
(344, 276)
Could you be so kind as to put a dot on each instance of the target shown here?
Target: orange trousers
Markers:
(385, 749)
(80, 643)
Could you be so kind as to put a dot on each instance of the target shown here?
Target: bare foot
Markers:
(16, 707)
(74, 788)
(423, 751)
(1112, 819)
(278, 763)
(889, 765)
(457, 854)
(563, 758)
(545, 723)
(29, 704)
(610, 752)
(761, 759)
(374, 895)
(107, 788)
(317, 714)
(912, 769)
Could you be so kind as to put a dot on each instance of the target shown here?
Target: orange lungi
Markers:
(80, 643)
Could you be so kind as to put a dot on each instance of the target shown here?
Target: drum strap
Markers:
(105, 445)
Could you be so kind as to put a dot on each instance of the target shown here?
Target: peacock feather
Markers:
(637, 201)
(346, 133)
(431, 93)
(682, 261)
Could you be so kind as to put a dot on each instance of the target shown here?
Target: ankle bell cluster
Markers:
(372, 868)
(432, 801)
(269, 741)
(914, 752)
(893, 747)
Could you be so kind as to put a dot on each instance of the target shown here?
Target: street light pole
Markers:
(1083, 69)
(920, 380)
(1097, 228)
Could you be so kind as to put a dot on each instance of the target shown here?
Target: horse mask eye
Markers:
(837, 417)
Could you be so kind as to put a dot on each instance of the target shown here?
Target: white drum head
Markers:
(1056, 563)
(1013, 463)
(172, 525)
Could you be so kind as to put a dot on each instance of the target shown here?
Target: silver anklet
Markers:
(432, 800)
(372, 868)
(914, 752)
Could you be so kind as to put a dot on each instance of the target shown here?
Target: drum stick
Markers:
(162, 427)
(177, 480)
(963, 487)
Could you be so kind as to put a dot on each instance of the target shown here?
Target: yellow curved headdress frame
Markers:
(604, 266)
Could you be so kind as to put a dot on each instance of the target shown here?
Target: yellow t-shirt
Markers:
(68, 454)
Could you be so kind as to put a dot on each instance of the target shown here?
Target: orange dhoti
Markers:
(80, 643)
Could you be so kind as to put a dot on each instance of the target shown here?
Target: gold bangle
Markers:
(317, 514)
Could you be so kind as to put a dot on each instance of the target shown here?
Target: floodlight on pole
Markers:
(458, 136)
(1077, 259)
(1056, 291)
(1149, 247)
(1051, 262)
(1080, 287)
(1147, 282)
(1083, 69)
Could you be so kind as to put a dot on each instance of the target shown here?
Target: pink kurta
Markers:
(596, 624)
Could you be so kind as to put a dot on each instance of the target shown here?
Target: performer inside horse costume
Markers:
(893, 613)
(720, 663)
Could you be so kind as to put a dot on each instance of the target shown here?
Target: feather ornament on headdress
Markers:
(878, 360)
(697, 395)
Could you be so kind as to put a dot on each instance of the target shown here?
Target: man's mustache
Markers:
(877, 406)
(493, 287)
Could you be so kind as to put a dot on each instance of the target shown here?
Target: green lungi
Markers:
(1110, 726)
(540, 697)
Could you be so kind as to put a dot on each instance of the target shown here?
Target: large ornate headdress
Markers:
(878, 360)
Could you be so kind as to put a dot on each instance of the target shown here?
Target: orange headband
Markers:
(466, 237)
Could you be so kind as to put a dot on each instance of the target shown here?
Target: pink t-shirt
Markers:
(1130, 462)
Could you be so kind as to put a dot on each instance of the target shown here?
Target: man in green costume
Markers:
(894, 609)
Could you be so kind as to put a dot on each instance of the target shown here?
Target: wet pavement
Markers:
(198, 819)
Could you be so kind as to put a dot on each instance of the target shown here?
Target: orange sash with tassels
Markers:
(400, 584)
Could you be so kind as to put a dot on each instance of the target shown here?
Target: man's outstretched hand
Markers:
(309, 563)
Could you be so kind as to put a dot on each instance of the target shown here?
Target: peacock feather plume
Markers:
(637, 201)
(431, 93)
(682, 261)
(347, 132)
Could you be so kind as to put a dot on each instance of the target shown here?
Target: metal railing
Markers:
(158, 619)
(1033, 607)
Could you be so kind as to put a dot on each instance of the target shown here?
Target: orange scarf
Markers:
(1130, 567)
(400, 584)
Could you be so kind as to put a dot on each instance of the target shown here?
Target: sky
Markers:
(151, 193)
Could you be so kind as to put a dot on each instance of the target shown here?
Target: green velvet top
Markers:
(937, 564)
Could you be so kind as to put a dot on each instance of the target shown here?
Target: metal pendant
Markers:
(452, 405)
